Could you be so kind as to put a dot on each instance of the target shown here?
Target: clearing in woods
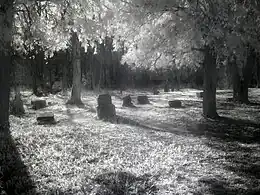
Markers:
(153, 149)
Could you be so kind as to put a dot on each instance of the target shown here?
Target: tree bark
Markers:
(258, 71)
(76, 85)
(241, 82)
(65, 73)
(34, 76)
(6, 26)
(92, 72)
(210, 81)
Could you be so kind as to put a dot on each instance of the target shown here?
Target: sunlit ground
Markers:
(152, 149)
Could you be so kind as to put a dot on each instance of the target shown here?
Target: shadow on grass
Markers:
(119, 183)
(230, 130)
(220, 186)
(254, 103)
(239, 140)
(14, 176)
(149, 126)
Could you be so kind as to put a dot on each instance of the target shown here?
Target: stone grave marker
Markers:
(45, 118)
(143, 99)
(105, 109)
(127, 101)
(38, 104)
(175, 104)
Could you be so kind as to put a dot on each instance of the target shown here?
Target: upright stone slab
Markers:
(127, 101)
(38, 104)
(16, 106)
(143, 99)
(45, 118)
(166, 88)
(105, 109)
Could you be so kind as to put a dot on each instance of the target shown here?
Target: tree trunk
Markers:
(92, 73)
(34, 76)
(258, 71)
(64, 77)
(210, 80)
(6, 25)
(76, 85)
(240, 83)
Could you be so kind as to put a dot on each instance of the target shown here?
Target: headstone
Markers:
(175, 104)
(166, 87)
(105, 109)
(39, 91)
(199, 94)
(127, 101)
(38, 104)
(155, 91)
(142, 99)
(45, 118)
(17, 108)
(57, 87)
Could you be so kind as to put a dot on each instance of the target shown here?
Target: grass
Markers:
(152, 150)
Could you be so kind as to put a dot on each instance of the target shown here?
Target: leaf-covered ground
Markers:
(152, 149)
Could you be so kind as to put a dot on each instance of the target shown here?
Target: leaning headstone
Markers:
(46, 118)
(175, 104)
(105, 109)
(199, 94)
(38, 104)
(127, 101)
(142, 99)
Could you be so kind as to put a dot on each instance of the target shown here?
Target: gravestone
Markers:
(105, 109)
(16, 106)
(46, 118)
(127, 101)
(199, 94)
(142, 99)
(57, 87)
(166, 87)
(38, 104)
(39, 91)
(175, 104)
(155, 91)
